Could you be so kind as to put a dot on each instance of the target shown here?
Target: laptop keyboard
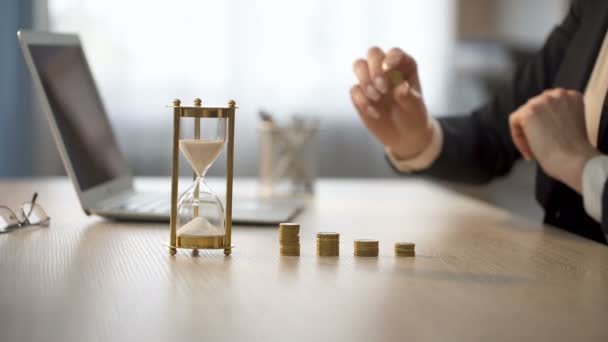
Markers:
(144, 203)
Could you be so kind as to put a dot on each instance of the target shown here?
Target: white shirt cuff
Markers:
(595, 174)
(426, 157)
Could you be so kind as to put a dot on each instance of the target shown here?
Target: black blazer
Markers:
(478, 147)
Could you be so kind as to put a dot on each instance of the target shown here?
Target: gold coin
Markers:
(290, 247)
(327, 235)
(289, 235)
(394, 77)
(366, 242)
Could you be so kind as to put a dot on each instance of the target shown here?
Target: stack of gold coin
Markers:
(328, 244)
(366, 248)
(289, 239)
(405, 249)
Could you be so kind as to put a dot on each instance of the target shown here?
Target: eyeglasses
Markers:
(30, 214)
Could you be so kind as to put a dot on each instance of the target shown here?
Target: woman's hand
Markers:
(395, 114)
(550, 128)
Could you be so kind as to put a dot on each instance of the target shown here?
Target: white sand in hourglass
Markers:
(199, 226)
(200, 154)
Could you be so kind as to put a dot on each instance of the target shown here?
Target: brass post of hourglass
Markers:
(229, 176)
(197, 136)
(175, 167)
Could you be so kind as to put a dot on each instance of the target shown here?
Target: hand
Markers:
(551, 129)
(396, 115)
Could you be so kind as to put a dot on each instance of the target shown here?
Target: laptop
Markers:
(87, 145)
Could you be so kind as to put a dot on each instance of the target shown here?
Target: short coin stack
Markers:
(289, 239)
(405, 249)
(328, 244)
(366, 248)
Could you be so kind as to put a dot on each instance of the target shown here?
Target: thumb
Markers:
(408, 99)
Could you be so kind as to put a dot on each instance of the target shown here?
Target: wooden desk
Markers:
(480, 274)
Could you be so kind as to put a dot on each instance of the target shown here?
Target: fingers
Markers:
(363, 105)
(399, 60)
(375, 58)
(372, 73)
(570, 100)
(555, 110)
(516, 124)
(368, 95)
(361, 70)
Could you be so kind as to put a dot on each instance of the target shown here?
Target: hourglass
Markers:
(198, 217)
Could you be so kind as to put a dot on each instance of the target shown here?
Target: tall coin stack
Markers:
(405, 249)
(328, 244)
(289, 239)
(366, 248)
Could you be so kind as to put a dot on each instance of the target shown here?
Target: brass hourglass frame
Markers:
(197, 112)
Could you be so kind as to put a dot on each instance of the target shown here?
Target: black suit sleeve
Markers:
(478, 147)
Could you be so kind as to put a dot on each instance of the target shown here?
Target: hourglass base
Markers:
(200, 242)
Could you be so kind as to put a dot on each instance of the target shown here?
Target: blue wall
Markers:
(16, 117)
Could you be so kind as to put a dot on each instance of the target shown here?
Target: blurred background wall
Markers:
(283, 56)
(16, 151)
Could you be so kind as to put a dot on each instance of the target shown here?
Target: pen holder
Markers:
(288, 157)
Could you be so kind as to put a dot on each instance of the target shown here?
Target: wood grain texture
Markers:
(480, 274)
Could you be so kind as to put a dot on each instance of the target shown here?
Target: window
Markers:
(285, 56)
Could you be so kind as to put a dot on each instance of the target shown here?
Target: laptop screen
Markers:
(76, 105)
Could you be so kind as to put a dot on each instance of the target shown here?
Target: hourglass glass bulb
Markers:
(200, 153)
